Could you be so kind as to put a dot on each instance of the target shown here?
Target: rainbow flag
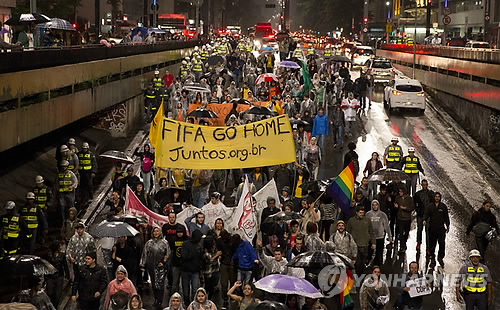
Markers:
(342, 189)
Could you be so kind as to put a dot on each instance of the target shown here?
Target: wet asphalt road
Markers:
(450, 168)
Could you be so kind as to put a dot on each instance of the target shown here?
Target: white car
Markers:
(360, 54)
(404, 92)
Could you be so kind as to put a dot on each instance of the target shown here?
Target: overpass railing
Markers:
(464, 53)
(39, 58)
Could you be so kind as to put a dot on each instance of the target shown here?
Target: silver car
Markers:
(379, 70)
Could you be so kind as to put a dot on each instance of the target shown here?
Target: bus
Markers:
(175, 23)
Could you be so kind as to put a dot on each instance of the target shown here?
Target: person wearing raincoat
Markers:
(121, 285)
(154, 261)
(201, 301)
(374, 293)
(175, 302)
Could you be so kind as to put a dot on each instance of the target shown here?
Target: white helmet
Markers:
(196, 48)
(30, 195)
(85, 145)
(157, 72)
(184, 62)
(39, 179)
(187, 58)
(473, 253)
(198, 57)
(71, 141)
(411, 149)
(9, 205)
(395, 139)
(64, 148)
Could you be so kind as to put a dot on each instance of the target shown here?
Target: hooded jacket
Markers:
(379, 221)
(245, 254)
(174, 295)
(191, 253)
(207, 305)
(154, 252)
(89, 281)
(115, 286)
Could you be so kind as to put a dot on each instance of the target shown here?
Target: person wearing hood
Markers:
(191, 254)
(147, 166)
(201, 301)
(175, 302)
(154, 258)
(276, 263)
(120, 283)
(135, 303)
(380, 224)
(320, 128)
(176, 257)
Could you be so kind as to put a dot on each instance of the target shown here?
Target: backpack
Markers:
(146, 164)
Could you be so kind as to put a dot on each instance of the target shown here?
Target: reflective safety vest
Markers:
(71, 163)
(157, 82)
(242, 48)
(310, 51)
(328, 53)
(41, 196)
(338, 52)
(184, 71)
(85, 161)
(198, 67)
(30, 216)
(411, 164)
(11, 227)
(393, 154)
(65, 181)
(475, 280)
(409, 41)
(399, 41)
(249, 48)
(298, 53)
(223, 50)
(203, 55)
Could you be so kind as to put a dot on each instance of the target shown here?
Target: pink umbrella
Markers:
(266, 77)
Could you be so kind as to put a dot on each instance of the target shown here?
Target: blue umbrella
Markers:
(289, 64)
(266, 49)
(142, 29)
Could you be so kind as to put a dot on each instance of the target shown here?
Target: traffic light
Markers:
(365, 20)
(74, 25)
(125, 18)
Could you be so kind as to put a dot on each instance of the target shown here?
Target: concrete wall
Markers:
(25, 123)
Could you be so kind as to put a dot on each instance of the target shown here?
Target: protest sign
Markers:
(269, 190)
(223, 109)
(213, 212)
(418, 287)
(183, 145)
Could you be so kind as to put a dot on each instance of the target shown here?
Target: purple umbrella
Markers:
(289, 64)
(283, 284)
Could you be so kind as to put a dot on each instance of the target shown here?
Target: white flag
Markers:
(269, 190)
(245, 219)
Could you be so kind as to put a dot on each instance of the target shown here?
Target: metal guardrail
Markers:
(463, 53)
(38, 58)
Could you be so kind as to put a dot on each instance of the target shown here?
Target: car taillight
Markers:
(392, 70)
(355, 55)
(397, 93)
(421, 94)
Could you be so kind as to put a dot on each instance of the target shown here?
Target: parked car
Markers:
(403, 92)
(477, 44)
(379, 70)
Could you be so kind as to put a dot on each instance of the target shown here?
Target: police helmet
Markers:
(39, 179)
(474, 253)
(64, 148)
(9, 205)
(411, 149)
(71, 141)
(157, 72)
(395, 139)
(184, 62)
(30, 195)
(85, 145)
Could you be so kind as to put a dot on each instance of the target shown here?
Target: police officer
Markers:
(71, 158)
(33, 215)
(393, 154)
(327, 53)
(475, 284)
(184, 70)
(72, 145)
(88, 170)
(164, 95)
(150, 99)
(298, 53)
(66, 184)
(43, 194)
(310, 51)
(197, 68)
(157, 80)
(203, 53)
(13, 227)
(412, 167)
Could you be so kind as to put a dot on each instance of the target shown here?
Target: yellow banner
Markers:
(184, 145)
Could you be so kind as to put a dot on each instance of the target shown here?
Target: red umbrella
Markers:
(266, 77)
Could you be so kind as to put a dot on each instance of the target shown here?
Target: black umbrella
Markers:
(267, 305)
(240, 101)
(28, 18)
(203, 113)
(259, 110)
(130, 219)
(316, 260)
(340, 58)
(213, 60)
(196, 87)
(118, 156)
(114, 229)
(166, 195)
(388, 175)
(299, 122)
(27, 265)
(283, 216)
